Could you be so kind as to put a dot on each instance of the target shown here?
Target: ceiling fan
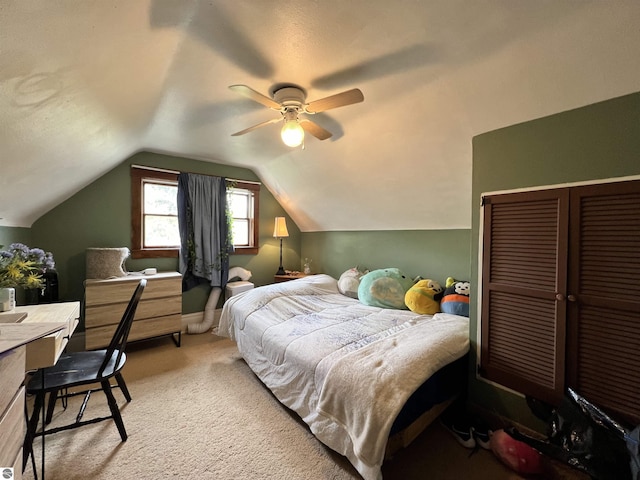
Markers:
(290, 101)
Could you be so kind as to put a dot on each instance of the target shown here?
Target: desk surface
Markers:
(42, 350)
(46, 312)
(13, 335)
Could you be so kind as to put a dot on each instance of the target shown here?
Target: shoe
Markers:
(462, 432)
(481, 433)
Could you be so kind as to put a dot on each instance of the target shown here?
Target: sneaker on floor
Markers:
(482, 434)
(461, 431)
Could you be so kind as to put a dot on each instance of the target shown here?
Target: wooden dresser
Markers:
(159, 311)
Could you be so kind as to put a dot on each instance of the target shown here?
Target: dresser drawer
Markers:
(12, 429)
(12, 367)
(119, 290)
(147, 328)
(103, 315)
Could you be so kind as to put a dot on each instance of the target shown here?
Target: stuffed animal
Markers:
(349, 282)
(384, 288)
(455, 299)
(424, 297)
(517, 455)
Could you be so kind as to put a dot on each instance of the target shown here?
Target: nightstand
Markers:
(289, 276)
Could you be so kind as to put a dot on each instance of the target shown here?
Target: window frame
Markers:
(141, 174)
(254, 236)
(138, 177)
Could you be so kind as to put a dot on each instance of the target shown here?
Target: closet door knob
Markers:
(571, 298)
(559, 297)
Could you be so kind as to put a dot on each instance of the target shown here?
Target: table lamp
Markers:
(280, 231)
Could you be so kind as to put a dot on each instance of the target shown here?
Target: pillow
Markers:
(349, 282)
(424, 297)
(384, 288)
(238, 272)
(456, 298)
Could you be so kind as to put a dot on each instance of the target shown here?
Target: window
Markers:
(154, 214)
(242, 199)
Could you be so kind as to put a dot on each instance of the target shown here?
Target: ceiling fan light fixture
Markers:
(292, 133)
(290, 101)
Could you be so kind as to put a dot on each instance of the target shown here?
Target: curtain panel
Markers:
(204, 230)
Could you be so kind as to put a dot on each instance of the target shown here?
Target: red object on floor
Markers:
(518, 456)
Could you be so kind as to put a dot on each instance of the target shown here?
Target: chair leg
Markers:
(123, 386)
(32, 426)
(53, 396)
(115, 411)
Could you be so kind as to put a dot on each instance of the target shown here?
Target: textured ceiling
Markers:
(85, 84)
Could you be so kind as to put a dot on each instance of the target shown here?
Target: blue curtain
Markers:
(204, 230)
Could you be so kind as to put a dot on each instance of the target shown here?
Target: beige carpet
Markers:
(198, 412)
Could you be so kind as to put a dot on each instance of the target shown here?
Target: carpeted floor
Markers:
(198, 412)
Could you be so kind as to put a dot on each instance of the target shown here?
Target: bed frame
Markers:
(404, 437)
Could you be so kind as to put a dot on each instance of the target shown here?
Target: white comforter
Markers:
(346, 368)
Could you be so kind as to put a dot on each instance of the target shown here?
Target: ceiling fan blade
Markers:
(315, 129)
(255, 96)
(334, 101)
(250, 129)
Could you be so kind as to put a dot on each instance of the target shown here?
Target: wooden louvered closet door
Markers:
(604, 284)
(561, 294)
(524, 270)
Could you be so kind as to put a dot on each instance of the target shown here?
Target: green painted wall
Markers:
(100, 216)
(9, 235)
(599, 141)
(434, 254)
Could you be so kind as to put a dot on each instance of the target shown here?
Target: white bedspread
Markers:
(346, 368)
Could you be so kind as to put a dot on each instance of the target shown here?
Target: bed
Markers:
(364, 379)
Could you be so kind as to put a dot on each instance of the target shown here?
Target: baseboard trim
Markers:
(497, 421)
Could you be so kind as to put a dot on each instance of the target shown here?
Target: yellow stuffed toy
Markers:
(424, 297)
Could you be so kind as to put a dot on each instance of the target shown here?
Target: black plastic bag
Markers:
(583, 436)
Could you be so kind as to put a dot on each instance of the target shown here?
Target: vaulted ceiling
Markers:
(85, 84)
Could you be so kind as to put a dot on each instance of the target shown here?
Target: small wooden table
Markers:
(289, 276)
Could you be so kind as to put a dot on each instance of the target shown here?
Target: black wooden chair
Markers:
(78, 369)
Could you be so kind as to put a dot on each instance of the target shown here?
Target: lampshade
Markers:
(280, 228)
(292, 133)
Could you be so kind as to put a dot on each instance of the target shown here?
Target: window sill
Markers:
(155, 253)
(245, 251)
(174, 252)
